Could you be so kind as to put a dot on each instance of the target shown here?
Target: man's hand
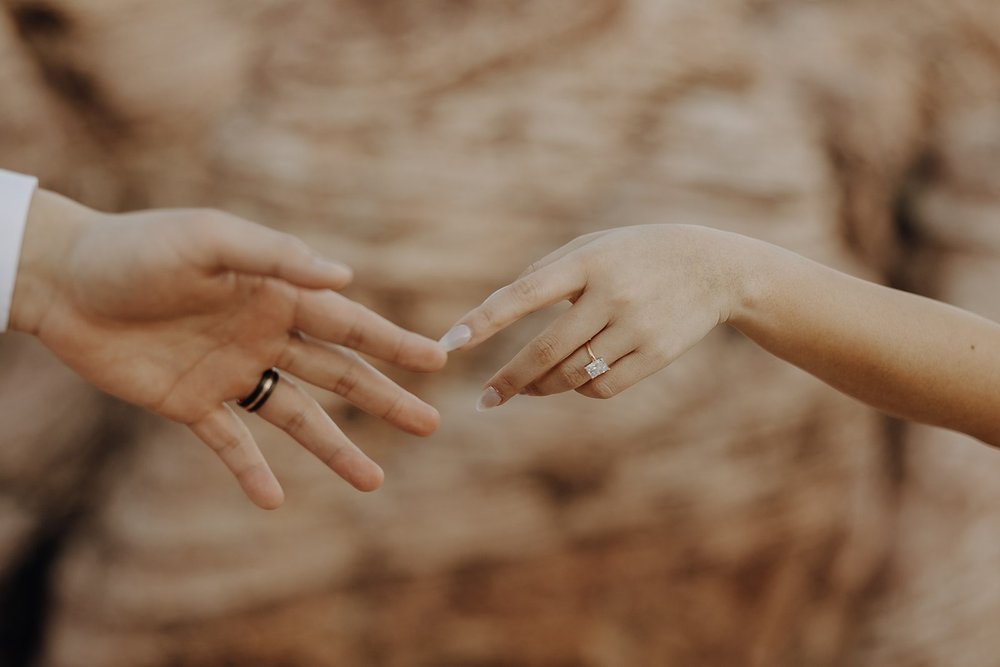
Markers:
(181, 311)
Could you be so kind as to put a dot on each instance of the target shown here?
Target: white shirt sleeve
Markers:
(16, 191)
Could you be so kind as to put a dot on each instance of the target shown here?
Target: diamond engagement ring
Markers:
(597, 365)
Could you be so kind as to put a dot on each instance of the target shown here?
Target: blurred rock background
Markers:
(729, 511)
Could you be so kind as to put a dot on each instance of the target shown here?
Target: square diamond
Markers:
(597, 367)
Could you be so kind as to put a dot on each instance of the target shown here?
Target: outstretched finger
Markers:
(343, 372)
(298, 414)
(230, 439)
(334, 318)
(551, 284)
(234, 244)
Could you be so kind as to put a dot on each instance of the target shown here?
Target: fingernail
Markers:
(456, 337)
(489, 399)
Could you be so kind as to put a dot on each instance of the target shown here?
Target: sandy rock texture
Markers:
(731, 510)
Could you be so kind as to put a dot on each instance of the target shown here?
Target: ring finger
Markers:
(548, 349)
(608, 347)
(343, 372)
(298, 414)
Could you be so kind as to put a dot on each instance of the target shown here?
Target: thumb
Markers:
(238, 245)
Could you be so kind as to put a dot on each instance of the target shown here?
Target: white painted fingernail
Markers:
(489, 399)
(456, 337)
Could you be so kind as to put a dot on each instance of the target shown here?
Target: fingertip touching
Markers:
(455, 338)
(532, 292)
(334, 318)
(475, 327)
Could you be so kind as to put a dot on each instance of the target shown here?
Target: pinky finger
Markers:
(230, 439)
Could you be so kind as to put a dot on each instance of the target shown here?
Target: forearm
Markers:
(901, 353)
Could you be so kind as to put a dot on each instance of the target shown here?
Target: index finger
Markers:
(532, 292)
(334, 318)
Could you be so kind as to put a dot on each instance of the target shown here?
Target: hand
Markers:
(181, 311)
(641, 297)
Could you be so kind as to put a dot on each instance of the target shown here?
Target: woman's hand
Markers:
(181, 311)
(641, 297)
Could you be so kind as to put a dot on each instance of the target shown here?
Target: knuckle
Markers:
(396, 407)
(621, 300)
(485, 320)
(346, 383)
(296, 423)
(525, 289)
(567, 376)
(654, 357)
(227, 442)
(334, 452)
(505, 384)
(400, 350)
(355, 334)
(531, 268)
(545, 351)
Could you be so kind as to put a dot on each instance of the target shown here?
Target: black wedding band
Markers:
(258, 397)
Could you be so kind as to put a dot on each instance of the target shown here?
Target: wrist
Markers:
(754, 271)
(53, 229)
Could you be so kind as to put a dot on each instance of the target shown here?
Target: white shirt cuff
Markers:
(16, 191)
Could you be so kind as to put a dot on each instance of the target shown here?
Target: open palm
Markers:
(181, 311)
